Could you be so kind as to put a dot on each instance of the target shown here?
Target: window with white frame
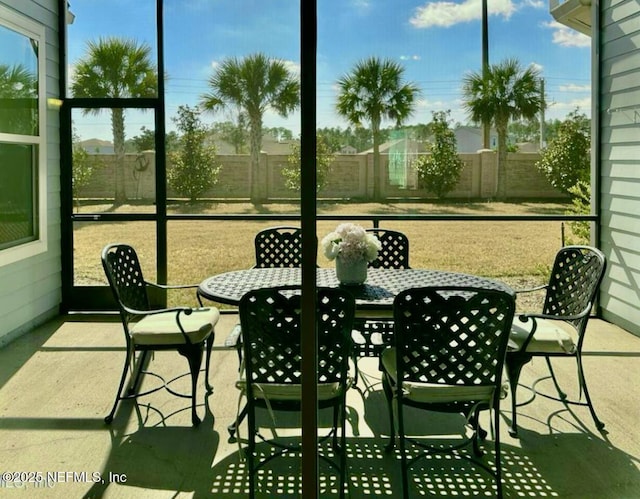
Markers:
(22, 138)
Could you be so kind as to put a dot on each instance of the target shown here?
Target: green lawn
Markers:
(517, 252)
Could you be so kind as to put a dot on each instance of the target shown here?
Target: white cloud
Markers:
(560, 110)
(361, 5)
(572, 87)
(537, 67)
(292, 66)
(536, 4)
(567, 37)
(448, 13)
(410, 57)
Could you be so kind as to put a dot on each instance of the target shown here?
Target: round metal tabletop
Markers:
(378, 292)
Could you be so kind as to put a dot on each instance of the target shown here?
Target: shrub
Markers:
(194, 167)
(581, 205)
(439, 172)
(567, 160)
(324, 159)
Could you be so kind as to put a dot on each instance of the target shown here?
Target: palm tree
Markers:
(18, 97)
(508, 92)
(115, 68)
(253, 84)
(373, 91)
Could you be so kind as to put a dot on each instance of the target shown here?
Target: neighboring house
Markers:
(273, 145)
(469, 139)
(528, 146)
(401, 152)
(348, 150)
(97, 146)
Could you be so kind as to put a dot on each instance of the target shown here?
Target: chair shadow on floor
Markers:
(157, 455)
(538, 468)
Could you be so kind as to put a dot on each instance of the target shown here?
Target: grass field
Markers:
(517, 252)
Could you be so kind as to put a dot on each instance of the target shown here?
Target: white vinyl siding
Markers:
(30, 285)
(619, 112)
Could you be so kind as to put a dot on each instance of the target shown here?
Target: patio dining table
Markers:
(374, 298)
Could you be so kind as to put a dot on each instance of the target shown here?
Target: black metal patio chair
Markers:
(372, 335)
(183, 329)
(560, 329)
(275, 247)
(278, 247)
(271, 378)
(448, 352)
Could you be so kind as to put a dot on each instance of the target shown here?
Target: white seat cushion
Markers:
(281, 391)
(162, 329)
(434, 392)
(550, 336)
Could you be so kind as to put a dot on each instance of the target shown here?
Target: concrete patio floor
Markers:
(58, 382)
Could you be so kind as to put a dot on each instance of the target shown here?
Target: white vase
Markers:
(351, 273)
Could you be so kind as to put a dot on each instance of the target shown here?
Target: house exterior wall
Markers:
(619, 114)
(30, 292)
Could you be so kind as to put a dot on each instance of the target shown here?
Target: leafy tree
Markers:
(236, 134)
(253, 84)
(115, 67)
(566, 161)
(194, 166)
(580, 205)
(508, 92)
(146, 141)
(324, 159)
(19, 91)
(334, 137)
(374, 91)
(440, 171)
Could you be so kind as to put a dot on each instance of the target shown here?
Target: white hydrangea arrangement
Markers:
(351, 242)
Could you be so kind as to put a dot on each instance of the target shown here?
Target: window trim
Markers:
(25, 26)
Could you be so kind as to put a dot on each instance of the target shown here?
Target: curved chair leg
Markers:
(583, 383)
(137, 372)
(403, 452)
(514, 366)
(496, 425)
(561, 394)
(343, 446)
(109, 418)
(193, 353)
(233, 427)
(207, 362)
(388, 392)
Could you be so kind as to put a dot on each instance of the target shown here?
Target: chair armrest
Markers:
(133, 311)
(531, 290)
(177, 310)
(169, 286)
(527, 317)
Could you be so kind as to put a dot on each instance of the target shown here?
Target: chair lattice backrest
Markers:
(271, 330)
(395, 250)
(279, 247)
(123, 270)
(452, 336)
(575, 277)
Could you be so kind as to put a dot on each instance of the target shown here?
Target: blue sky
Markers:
(437, 42)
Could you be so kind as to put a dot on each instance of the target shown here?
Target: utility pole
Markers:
(486, 127)
(542, 106)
